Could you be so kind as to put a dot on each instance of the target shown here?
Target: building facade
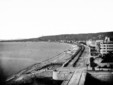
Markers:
(106, 46)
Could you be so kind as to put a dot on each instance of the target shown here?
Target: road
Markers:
(72, 69)
(79, 69)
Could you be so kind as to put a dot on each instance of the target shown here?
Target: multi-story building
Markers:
(106, 46)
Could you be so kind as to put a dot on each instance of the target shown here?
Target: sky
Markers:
(21, 19)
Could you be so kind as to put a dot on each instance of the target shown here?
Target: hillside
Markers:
(75, 37)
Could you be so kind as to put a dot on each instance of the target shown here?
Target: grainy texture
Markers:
(15, 56)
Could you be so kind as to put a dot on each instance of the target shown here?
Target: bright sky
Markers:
(35, 18)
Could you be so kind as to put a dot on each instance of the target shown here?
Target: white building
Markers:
(91, 43)
(106, 46)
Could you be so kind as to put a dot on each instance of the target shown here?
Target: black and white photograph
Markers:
(56, 42)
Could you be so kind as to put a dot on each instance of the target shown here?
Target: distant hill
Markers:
(75, 37)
